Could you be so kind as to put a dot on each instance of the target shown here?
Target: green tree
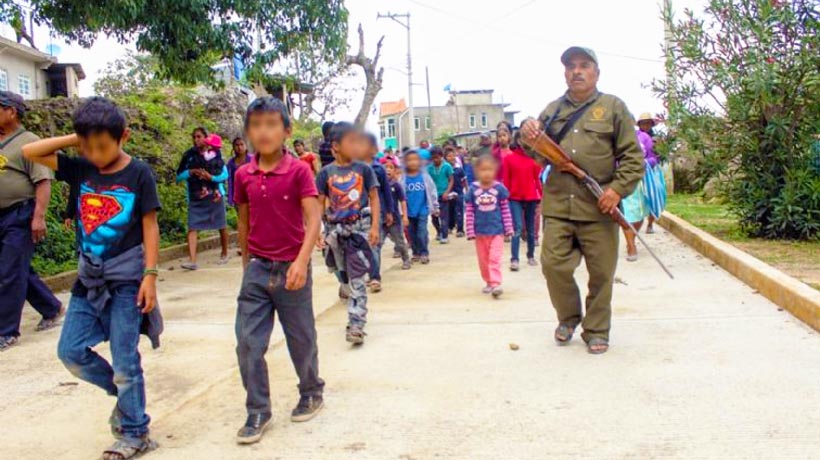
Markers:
(747, 93)
(188, 36)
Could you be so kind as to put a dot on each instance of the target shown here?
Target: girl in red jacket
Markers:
(521, 175)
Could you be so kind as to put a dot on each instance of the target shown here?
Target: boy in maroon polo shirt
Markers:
(279, 218)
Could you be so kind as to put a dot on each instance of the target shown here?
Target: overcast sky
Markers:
(510, 46)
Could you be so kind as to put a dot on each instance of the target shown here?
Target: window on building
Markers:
(4, 80)
(391, 127)
(484, 121)
(24, 86)
(427, 123)
(382, 131)
(472, 120)
(416, 123)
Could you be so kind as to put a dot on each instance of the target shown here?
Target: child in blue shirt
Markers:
(422, 201)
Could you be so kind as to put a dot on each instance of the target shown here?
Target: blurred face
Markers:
(581, 74)
(451, 157)
(351, 147)
(424, 145)
(300, 149)
(239, 147)
(645, 125)
(412, 162)
(503, 136)
(486, 171)
(101, 149)
(267, 133)
(437, 160)
(485, 141)
(199, 140)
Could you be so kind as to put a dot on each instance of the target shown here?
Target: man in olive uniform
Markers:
(598, 132)
(25, 190)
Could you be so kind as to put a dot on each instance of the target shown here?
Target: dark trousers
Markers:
(263, 293)
(456, 212)
(419, 240)
(40, 296)
(16, 250)
(442, 222)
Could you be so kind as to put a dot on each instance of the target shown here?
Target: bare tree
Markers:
(373, 75)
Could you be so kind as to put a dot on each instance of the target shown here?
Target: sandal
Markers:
(563, 334)
(126, 448)
(597, 346)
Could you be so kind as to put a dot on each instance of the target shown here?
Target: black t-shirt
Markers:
(109, 206)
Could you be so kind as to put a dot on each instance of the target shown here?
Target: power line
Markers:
(523, 35)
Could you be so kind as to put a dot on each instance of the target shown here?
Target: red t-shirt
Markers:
(309, 158)
(274, 199)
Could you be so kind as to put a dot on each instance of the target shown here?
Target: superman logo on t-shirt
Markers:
(345, 194)
(104, 216)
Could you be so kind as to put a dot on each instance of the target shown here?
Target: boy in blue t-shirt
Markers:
(421, 203)
(442, 174)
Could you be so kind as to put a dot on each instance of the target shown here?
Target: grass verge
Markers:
(800, 259)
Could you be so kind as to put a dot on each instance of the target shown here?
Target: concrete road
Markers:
(700, 368)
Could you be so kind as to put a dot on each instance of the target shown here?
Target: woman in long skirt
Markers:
(649, 198)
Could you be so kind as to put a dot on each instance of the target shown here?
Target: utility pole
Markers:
(411, 138)
(429, 106)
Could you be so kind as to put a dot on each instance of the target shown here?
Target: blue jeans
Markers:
(262, 294)
(419, 239)
(119, 322)
(442, 222)
(523, 214)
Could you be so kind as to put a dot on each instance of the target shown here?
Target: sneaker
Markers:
(487, 289)
(650, 230)
(438, 238)
(223, 260)
(532, 262)
(375, 286)
(406, 265)
(397, 255)
(514, 266)
(8, 341)
(50, 323)
(355, 334)
(254, 428)
(425, 260)
(497, 291)
(307, 408)
(189, 266)
(415, 259)
(460, 235)
(443, 241)
(344, 291)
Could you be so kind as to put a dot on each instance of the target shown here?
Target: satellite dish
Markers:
(53, 50)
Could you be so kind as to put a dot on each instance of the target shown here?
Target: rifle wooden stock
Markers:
(562, 162)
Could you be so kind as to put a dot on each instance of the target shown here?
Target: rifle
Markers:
(553, 152)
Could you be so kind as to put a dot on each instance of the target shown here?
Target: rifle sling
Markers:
(570, 122)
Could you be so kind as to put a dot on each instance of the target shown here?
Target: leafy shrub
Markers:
(746, 97)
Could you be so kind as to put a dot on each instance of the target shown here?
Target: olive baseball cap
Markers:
(573, 50)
